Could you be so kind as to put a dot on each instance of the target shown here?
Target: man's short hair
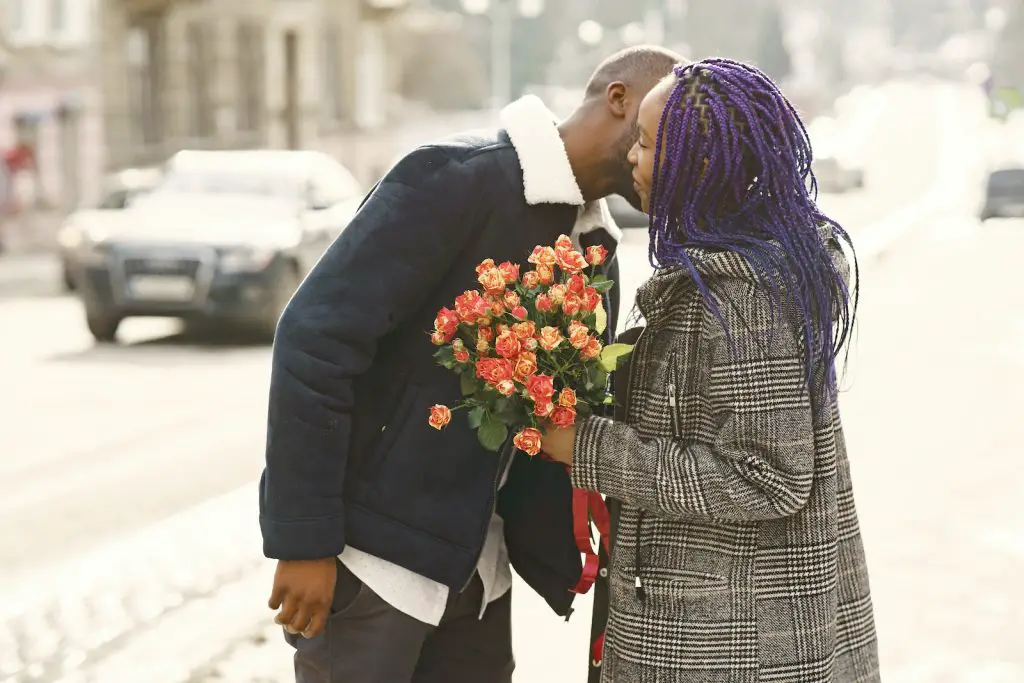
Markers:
(639, 66)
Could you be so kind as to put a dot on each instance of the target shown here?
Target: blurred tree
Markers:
(832, 61)
(772, 54)
(716, 28)
(1008, 61)
(442, 68)
(534, 41)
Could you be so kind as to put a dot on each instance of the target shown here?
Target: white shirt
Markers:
(424, 599)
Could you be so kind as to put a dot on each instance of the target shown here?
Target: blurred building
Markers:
(224, 74)
(50, 122)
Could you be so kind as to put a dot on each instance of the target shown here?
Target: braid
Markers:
(732, 171)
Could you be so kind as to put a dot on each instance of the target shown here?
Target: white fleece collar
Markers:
(547, 174)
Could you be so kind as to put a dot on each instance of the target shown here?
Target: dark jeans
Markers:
(369, 641)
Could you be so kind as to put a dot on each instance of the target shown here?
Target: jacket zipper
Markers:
(491, 505)
(638, 585)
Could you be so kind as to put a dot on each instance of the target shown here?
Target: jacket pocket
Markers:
(390, 432)
(673, 394)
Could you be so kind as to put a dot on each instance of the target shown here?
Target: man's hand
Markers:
(304, 589)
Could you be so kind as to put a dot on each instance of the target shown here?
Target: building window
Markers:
(333, 85)
(60, 21)
(144, 47)
(251, 74)
(19, 20)
(200, 72)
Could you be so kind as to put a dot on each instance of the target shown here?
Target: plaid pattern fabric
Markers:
(737, 508)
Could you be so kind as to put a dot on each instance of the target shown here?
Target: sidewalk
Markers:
(29, 264)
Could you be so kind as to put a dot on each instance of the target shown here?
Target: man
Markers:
(419, 591)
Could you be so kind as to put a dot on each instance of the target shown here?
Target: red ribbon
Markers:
(598, 651)
(589, 506)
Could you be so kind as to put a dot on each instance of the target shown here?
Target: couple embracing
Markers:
(736, 555)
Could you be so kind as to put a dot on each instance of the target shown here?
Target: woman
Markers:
(738, 556)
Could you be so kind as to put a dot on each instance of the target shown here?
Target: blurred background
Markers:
(171, 169)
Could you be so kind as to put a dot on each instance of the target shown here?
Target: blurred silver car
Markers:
(836, 178)
(224, 239)
(1004, 194)
(624, 214)
(117, 191)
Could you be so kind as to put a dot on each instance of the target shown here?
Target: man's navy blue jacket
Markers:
(350, 457)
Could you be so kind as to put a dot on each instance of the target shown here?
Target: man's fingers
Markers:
(276, 596)
(300, 621)
(288, 610)
(316, 624)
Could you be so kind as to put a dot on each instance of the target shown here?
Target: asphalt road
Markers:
(127, 508)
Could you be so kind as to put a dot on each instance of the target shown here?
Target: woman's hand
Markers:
(558, 443)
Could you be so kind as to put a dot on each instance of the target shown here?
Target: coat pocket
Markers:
(390, 432)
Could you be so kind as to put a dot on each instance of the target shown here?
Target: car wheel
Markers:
(103, 326)
(286, 285)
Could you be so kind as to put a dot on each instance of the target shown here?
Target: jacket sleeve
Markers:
(393, 253)
(759, 462)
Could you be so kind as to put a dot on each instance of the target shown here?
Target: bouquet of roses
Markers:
(526, 347)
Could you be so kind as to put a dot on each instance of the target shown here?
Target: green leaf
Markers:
(611, 354)
(609, 400)
(602, 284)
(597, 377)
(600, 318)
(492, 434)
(505, 410)
(476, 417)
(467, 381)
(445, 356)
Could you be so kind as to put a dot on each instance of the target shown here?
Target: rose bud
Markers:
(440, 416)
(596, 255)
(528, 441)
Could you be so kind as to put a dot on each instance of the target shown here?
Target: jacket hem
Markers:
(419, 552)
(303, 539)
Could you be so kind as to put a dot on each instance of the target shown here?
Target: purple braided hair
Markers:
(732, 172)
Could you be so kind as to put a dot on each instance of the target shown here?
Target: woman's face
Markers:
(641, 155)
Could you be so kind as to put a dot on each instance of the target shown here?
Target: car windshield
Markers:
(1010, 179)
(116, 199)
(235, 182)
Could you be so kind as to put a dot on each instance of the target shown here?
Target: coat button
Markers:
(596, 663)
(604, 572)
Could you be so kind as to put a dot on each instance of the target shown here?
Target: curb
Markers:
(30, 275)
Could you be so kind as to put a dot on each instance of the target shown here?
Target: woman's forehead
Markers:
(653, 104)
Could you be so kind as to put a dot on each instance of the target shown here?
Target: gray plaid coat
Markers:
(738, 557)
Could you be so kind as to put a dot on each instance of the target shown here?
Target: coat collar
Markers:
(547, 174)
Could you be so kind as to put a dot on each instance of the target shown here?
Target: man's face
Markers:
(619, 168)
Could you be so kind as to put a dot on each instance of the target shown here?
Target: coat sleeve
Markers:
(758, 463)
(393, 253)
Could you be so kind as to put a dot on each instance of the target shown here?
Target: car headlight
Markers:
(246, 260)
(69, 237)
(91, 251)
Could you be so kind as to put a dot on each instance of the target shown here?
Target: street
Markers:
(128, 528)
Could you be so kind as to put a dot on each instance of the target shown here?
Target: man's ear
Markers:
(615, 98)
